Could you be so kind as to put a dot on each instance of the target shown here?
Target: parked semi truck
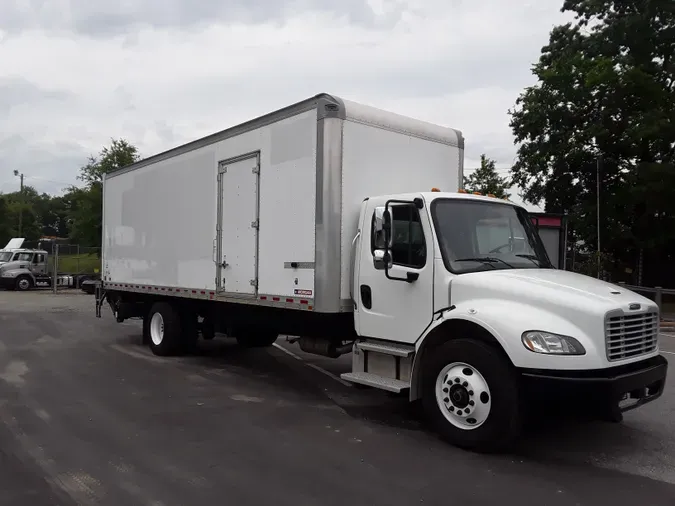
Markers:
(24, 269)
(325, 220)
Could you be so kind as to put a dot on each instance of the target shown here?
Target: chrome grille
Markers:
(631, 335)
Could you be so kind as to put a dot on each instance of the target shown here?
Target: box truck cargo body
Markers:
(267, 212)
(324, 221)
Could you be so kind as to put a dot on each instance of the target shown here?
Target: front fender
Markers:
(15, 273)
(507, 320)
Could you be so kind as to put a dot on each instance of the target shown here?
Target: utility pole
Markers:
(597, 206)
(16, 173)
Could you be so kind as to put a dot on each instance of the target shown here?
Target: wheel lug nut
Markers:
(456, 380)
(471, 403)
(452, 408)
(470, 392)
(465, 384)
(445, 390)
(446, 400)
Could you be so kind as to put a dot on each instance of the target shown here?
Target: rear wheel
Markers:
(164, 329)
(470, 393)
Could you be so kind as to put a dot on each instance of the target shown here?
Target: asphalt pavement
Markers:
(89, 416)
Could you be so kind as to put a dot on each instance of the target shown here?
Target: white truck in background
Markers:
(323, 220)
(24, 269)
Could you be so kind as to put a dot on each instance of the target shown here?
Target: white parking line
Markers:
(315, 367)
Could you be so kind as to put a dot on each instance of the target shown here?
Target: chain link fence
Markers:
(71, 264)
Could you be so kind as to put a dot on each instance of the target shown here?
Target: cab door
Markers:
(394, 301)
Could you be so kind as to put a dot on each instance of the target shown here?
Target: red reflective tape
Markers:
(194, 291)
(276, 299)
(290, 300)
(304, 302)
(263, 297)
(203, 292)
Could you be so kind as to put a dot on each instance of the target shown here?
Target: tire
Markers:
(257, 338)
(464, 374)
(146, 329)
(207, 329)
(164, 326)
(23, 283)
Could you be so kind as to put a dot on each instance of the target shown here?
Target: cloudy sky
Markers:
(74, 73)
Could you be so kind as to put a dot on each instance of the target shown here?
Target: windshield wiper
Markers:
(485, 260)
(534, 258)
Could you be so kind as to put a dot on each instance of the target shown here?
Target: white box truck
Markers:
(324, 221)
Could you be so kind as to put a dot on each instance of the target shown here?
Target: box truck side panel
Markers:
(384, 153)
(161, 217)
(287, 207)
(159, 223)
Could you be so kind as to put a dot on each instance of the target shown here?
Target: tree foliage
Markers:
(85, 204)
(485, 179)
(76, 214)
(606, 92)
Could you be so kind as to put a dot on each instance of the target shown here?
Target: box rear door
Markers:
(237, 234)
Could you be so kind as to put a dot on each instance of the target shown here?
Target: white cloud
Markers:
(161, 73)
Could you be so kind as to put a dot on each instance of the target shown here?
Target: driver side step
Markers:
(381, 364)
(373, 380)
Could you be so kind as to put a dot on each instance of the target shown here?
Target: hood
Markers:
(14, 264)
(550, 288)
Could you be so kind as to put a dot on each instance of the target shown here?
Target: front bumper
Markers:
(7, 283)
(618, 388)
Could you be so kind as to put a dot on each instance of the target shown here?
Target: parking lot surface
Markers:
(89, 416)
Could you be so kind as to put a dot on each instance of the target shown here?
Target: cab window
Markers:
(408, 243)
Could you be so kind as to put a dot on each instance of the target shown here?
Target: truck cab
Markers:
(457, 302)
(22, 269)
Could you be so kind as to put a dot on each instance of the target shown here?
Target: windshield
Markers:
(5, 256)
(24, 257)
(477, 236)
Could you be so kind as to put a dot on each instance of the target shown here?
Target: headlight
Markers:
(538, 341)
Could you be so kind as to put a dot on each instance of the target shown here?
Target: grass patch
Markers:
(78, 264)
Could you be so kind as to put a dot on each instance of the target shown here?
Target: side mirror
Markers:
(382, 229)
(382, 260)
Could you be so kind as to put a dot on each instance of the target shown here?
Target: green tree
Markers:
(20, 208)
(5, 227)
(85, 204)
(605, 92)
(485, 179)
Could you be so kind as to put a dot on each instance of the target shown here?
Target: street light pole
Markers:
(597, 204)
(16, 173)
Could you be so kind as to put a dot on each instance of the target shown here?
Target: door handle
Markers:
(366, 296)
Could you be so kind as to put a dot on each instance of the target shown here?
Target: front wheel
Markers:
(23, 283)
(470, 393)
